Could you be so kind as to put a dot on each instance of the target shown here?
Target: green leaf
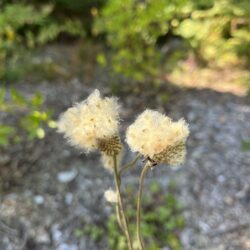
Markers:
(5, 133)
(37, 100)
(52, 124)
(101, 59)
(17, 98)
(40, 133)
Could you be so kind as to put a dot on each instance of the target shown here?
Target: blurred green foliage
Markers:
(162, 221)
(217, 31)
(138, 32)
(132, 29)
(27, 120)
(245, 145)
(93, 231)
(24, 26)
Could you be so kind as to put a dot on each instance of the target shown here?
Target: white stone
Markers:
(39, 199)
(65, 246)
(67, 176)
(68, 198)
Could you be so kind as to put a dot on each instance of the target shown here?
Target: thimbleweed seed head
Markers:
(110, 146)
(90, 122)
(156, 136)
(173, 155)
(110, 195)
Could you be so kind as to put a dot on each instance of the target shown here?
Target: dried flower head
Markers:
(110, 195)
(156, 136)
(91, 123)
(110, 146)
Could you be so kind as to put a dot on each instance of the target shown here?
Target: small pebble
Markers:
(68, 198)
(65, 246)
(39, 199)
(67, 176)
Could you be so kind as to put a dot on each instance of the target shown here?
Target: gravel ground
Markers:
(63, 189)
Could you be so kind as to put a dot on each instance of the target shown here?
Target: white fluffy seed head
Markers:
(156, 136)
(93, 119)
(110, 195)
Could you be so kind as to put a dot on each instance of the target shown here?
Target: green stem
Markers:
(119, 216)
(121, 206)
(129, 165)
(138, 217)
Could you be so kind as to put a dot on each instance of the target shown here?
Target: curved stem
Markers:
(138, 217)
(129, 165)
(121, 206)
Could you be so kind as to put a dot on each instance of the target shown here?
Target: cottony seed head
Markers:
(156, 136)
(172, 155)
(90, 121)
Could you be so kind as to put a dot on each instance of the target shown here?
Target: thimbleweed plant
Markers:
(94, 125)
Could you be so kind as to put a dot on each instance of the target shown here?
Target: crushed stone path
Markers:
(213, 185)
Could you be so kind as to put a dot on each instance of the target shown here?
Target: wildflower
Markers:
(92, 124)
(156, 136)
(110, 195)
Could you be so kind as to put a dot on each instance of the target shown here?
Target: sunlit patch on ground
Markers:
(230, 79)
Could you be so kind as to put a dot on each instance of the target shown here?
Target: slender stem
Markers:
(138, 218)
(120, 202)
(119, 216)
(129, 165)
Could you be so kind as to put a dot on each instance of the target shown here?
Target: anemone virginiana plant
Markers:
(93, 124)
